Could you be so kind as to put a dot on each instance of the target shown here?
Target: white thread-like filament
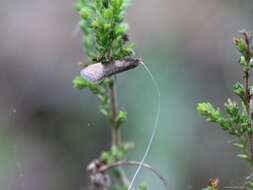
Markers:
(154, 128)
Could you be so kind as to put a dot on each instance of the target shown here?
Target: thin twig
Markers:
(115, 130)
(247, 90)
(235, 187)
(247, 105)
(135, 163)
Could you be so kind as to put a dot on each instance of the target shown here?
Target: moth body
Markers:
(96, 73)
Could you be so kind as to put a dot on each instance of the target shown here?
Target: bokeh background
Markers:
(49, 131)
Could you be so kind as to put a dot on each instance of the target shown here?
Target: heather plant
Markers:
(236, 119)
(109, 51)
(107, 45)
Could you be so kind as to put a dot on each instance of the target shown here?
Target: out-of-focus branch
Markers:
(105, 168)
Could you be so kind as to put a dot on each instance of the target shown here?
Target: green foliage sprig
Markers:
(106, 40)
(105, 31)
(236, 119)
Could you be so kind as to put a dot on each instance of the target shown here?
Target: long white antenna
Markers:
(154, 128)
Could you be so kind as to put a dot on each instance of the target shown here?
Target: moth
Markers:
(96, 73)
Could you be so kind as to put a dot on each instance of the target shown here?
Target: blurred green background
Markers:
(49, 132)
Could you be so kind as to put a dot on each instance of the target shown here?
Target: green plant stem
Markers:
(247, 105)
(116, 136)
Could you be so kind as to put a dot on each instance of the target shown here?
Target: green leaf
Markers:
(107, 26)
(117, 4)
(108, 14)
(116, 153)
(105, 156)
(121, 29)
(104, 111)
(85, 13)
(243, 156)
(224, 123)
(242, 46)
(239, 90)
(239, 145)
(250, 185)
(243, 61)
(121, 118)
(213, 115)
(79, 83)
(143, 186)
(207, 110)
(233, 111)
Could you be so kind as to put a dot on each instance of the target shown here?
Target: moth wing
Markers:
(93, 73)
